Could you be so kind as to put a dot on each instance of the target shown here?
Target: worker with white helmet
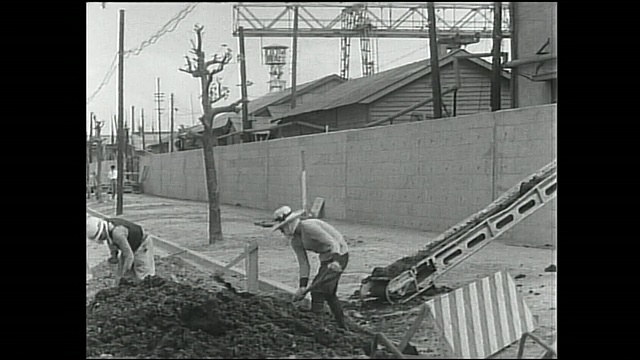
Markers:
(129, 244)
(316, 236)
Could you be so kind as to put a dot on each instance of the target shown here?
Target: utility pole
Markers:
(159, 100)
(121, 140)
(497, 67)
(99, 126)
(127, 152)
(294, 58)
(87, 168)
(144, 145)
(113, 128)
(435, 63)
(133, 123)
(246, 125)
(171, 122)
(514, 54)
(90, 135)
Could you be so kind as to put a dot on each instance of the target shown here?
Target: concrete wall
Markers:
(526, 143)
(178, 175)
(424, 175)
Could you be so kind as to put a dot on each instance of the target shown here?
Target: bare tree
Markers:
(205, 70)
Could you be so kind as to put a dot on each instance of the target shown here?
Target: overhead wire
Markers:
(168, 27)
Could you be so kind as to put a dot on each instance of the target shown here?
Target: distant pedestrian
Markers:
(319, 237)
(113, 178)
(129, 245)
(93, 182)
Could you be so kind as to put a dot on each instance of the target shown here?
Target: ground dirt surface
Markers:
(185, 223)
(167, 319)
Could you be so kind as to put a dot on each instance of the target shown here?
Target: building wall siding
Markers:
(473, 97)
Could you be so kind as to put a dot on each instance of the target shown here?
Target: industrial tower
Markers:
(456, 23)
(276, 57)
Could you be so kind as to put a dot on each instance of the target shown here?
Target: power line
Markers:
(404, 56)
(106, 79)
(168, 27)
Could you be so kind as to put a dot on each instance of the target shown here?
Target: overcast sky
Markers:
(317, 57)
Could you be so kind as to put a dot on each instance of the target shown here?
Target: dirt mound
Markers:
(160, 318)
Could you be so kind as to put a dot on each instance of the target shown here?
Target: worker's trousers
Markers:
(328, 291)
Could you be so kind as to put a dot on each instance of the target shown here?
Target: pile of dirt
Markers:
(160, 318)
(172, 268)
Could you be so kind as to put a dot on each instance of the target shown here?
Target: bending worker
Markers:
(317, 236)
(130, 246)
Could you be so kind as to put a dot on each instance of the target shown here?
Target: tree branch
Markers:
(198, 29)
(222, 61)
(220, 97)
(229, 108)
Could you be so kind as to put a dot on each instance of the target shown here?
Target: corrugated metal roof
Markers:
(271, 99)
(368, 89)
(278, 110)
(274, 98)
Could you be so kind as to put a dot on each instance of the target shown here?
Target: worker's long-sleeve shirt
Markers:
(317, 236)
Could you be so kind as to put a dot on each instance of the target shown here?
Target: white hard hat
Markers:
(95, 228)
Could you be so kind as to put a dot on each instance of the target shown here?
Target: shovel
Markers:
(315, 286)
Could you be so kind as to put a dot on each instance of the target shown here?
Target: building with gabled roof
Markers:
(362, 101)
(228, 126)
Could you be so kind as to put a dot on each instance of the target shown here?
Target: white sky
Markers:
(317, 57)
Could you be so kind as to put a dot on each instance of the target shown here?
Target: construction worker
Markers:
(317, 236)
(130, 246)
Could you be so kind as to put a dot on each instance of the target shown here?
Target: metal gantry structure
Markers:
(456, 23)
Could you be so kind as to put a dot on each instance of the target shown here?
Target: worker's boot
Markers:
(336, 309)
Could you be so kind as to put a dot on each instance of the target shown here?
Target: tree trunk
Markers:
(213, 192)
(87, 170)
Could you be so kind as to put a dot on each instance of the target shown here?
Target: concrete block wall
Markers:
(527, 141)
(243, 174)
(424, 175)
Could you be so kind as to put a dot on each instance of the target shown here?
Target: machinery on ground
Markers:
(411, 276)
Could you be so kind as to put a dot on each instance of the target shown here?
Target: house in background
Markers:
(228, 126)
(223, 124)
(162, 146)
(361, 101)
(151, 141)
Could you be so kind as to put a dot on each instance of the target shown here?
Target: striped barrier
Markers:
(483, 317)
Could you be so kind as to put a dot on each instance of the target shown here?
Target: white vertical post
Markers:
(303, 182)
(251, 267)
